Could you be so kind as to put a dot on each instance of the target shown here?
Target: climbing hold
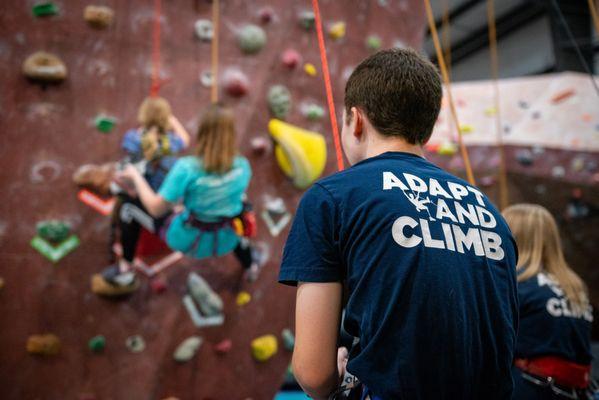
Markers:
(536, 115)
(53, 231)
(290, 58)
(260, 145)
(578, 163)
(99, 17)
(490, 111)
(337, 30)
(187, 349)
(524, 157)
(275, 215)
(44, 67)
(158, 285)
(44, 9)
(310, 69)
(264, 347)
(206, 79)
(537, 149)
(198, 319)
(399, 44)
(45, 344)
(374, 43)
(223, 347)
(266, 15)
(104, 123)
(558, 171)
(563, 95)
(447, 148)
(251, 39)
(288, 339)
(523, 104)
(243, 298)
(204, 30)
(307, 19)
(279, 101)
(209, 302)
(97, 343)
(235, 82)
(300, 153)
(464, 128)
(54, 252)
(100, 287)
(135, 344)
(312, 111)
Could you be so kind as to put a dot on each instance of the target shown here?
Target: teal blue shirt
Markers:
(208, 196)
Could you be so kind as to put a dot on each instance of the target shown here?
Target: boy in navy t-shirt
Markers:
(427, 261)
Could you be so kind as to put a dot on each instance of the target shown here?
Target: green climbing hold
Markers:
(313, 112)
(104, 123)
(307, 19)
(288, 339)
(374, 43)
(279, 101)
(251, 39)
(44, 9)
(55, 252)
(97, 343)
(54, 231)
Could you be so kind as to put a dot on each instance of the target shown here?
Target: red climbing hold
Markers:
(223, 347)
(266, 15)
(290, 58)
(236, 83)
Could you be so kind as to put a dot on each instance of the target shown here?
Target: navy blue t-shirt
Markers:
(548, 325)
(429, 264)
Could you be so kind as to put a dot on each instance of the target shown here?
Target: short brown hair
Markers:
(216, 139)
(154, 112)
(399, 91)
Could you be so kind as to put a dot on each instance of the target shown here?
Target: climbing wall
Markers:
(48, 130)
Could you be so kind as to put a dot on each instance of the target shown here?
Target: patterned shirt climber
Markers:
(155, 171)
(209, 197)
(429, 265)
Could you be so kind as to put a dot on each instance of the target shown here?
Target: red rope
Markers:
(155, 87)
(327, 84)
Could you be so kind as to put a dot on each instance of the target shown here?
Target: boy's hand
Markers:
(342, 358)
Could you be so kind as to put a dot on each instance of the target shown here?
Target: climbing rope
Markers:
(214, 68)
(454, 115)
(594, 15)
(503, 187)
(327, 84)
(155, 86)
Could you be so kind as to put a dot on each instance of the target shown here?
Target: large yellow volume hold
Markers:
(300, 153)
(264, 347)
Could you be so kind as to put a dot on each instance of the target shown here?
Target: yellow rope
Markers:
(441, 60)
(215, 22)
(503, 187)
(594, 14)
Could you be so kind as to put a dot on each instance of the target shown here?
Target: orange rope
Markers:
(214, 69)
(594, 14)
(327, 84)
(435, 36)
(503, 187)
(155, 87)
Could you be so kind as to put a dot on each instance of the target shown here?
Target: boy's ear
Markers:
(358, 119)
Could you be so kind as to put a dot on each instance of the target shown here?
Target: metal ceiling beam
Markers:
(456, 12)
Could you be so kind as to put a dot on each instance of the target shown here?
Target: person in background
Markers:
(553, 351)
(152, 148)
(210, 186)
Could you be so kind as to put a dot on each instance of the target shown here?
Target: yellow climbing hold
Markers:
(337, 30)
(310, 69)
(447, 148)
(264, 347)
(490, 112)
(243, 298)
(300, 153)
(466, 128)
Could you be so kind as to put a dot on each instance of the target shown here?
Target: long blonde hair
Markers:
(540, 250)
(154, 112)
(216, 139)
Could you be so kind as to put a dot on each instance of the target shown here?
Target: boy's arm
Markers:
(317, 319)
(180, 130)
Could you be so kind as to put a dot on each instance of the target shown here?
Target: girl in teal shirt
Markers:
(211, 186)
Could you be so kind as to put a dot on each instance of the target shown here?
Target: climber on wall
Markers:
(427, 261)
(151, 148)
(211, 186)
(553, 350)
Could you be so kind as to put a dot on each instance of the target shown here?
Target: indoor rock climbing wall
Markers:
(99, 67)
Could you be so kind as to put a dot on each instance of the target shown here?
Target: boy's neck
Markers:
(379, 145)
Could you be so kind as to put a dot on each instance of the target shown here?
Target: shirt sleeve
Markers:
(132, 143)
(175, 183)
(311, 253)
(176, 143)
